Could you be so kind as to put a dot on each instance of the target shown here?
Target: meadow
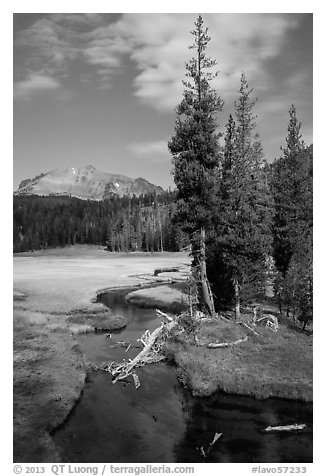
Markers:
(53, 292)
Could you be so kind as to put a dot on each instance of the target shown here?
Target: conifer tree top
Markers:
(294, 144)
(198, 71)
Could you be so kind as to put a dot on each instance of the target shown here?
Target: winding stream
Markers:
(162, 422)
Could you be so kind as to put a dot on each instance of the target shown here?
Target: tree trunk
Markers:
(206, 291)
(160, 228)
(237, 299)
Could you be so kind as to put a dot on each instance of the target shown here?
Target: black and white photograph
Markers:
(162, 241)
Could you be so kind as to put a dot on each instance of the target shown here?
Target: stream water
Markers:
(161, 422)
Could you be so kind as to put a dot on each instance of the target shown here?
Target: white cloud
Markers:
(156, 151)
(158, 47)
(34, 82)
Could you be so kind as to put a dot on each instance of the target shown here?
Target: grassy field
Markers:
(54, 294)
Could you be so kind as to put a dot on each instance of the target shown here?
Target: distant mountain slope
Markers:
(86, 183)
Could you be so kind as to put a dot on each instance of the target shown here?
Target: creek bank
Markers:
(268, 365)
(166, 297)
(43, 394)
(102, 320)
(161, 421)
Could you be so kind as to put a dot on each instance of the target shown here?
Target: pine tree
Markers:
(286, 177)
(195, 151)
(244, 216)
(291, 180)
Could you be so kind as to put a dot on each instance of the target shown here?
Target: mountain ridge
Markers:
(86, 183)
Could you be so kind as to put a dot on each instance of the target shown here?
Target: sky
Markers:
(100, 89)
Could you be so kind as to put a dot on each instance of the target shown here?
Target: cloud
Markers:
(47, 44)
(156, 151)
(52, 44)
(157, 45)
(34, 82)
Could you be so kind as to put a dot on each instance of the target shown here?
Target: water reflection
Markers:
(241, 420)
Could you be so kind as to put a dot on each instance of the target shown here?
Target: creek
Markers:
(161, 422)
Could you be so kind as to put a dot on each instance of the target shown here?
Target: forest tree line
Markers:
(121, 223)
(249, 222)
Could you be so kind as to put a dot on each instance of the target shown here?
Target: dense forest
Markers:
(122, 223)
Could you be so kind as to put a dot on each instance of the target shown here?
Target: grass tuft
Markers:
(76, 329)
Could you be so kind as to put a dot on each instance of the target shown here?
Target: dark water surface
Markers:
(162, 422)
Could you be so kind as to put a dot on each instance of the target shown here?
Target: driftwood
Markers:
(121, 343)
(293, 427)
(214, 345)
(217, 436)
(272, 322)
(152, 343)
(136, 380)
(164, 315)
(217, 345)
(204, 453)
(248, 327)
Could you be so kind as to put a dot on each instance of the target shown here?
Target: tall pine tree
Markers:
(286, 177)
(195, 151)
(244, 219)
(291, 180)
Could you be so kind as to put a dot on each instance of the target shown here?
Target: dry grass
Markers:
(31, 318)
(44, 366)
(102, 320)
(76, 329)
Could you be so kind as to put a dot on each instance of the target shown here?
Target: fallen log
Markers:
(293, 427)
(136, 380)
(217, 436)
(149, 354)
(216, 345)
(272, 322)
(248, 327)
(204, 453)
(164, 315)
